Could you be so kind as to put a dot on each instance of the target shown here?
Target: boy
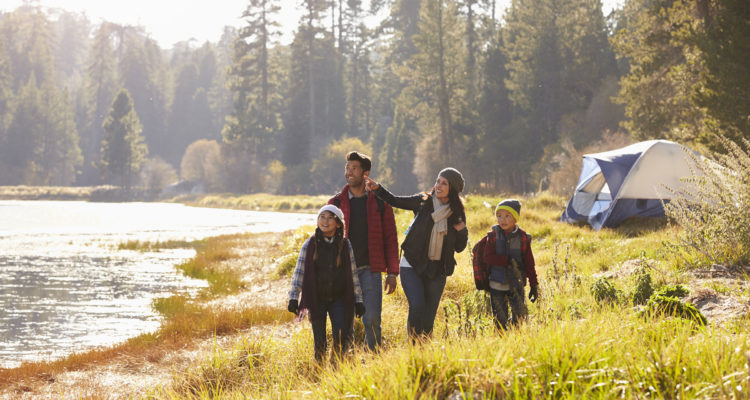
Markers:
(502, 262)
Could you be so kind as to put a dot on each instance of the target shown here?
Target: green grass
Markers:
(572, 346)
(23, 192)
(256, 202)
(146, 246)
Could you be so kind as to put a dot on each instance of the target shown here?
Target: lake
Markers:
(65, 287)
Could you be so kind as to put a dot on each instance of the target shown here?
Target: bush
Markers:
(604, 291)
(202, 161)
(659, 305)
(293, 245)
(157, 173)
(677, 291)
(643, 287)
(715, 214)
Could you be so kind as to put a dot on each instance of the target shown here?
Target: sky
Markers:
(199, 19)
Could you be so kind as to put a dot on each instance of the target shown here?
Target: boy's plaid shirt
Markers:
(299, 273)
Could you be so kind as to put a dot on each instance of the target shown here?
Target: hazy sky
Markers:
(202, 20)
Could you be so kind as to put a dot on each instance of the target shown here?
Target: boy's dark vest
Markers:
(513, 245)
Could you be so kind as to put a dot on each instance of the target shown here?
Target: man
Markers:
(371, 228)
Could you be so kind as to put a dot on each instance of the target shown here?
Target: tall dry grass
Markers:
(573, 345)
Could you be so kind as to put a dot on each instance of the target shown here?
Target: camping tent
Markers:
(630, 181)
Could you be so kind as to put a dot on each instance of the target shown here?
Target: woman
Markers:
(437, 231)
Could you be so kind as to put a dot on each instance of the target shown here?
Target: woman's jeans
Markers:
(424, 298)
(340, 332)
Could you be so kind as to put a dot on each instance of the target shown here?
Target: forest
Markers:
(509, 97)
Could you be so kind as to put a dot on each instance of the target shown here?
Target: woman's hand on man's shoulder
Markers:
(371, 185)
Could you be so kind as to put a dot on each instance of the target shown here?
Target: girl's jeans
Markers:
(339, 330)
(424, 298)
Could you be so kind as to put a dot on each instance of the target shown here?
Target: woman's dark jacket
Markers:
(417, 241)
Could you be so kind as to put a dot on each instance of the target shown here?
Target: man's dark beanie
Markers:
(454, 178)
(513, 206)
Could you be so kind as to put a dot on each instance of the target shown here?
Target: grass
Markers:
(149, 246)
(572, 346)
(256, 202)
(47, 192)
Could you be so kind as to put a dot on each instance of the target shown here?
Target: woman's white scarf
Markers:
(439, 229)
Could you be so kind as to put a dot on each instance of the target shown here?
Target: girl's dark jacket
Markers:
(417, 241)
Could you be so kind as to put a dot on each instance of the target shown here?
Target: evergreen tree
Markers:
(664, 69)
(496, 115)
(435, 74)
(23, 136)
(144, 75)
(558, 58)
(41, 146)
(123, 148)
(29, 40)
(100, 87)
(6, 104)
(60, 156)
(394, 103)
(725, 92)
(255, 118)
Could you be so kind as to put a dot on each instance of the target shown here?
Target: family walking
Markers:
(339, 270)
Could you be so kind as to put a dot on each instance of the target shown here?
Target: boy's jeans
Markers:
(500, 300)
(372, 292)
(339, 330)
(424, 298)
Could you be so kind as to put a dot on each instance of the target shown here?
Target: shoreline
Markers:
(158, 354)
(110, 194)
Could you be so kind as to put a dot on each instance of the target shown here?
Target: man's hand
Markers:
(390, 284)
(459, 226)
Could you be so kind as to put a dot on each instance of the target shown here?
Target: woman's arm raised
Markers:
(412, 203)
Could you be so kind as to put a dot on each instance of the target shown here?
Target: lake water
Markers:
(64, 286)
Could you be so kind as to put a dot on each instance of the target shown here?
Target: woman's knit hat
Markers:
(454, 178)
(512, 206)
(333, 210)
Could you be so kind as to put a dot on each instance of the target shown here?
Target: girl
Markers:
(325, 276)
(438, 230)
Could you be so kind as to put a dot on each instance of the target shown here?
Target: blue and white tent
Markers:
(630, 181)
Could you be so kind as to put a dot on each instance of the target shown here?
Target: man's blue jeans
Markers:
(424, 298)
(340, 332)
(372, 291)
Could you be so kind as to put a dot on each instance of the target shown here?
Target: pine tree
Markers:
(123, 149)
(100, 86)
(664, 70)
(394, 101)
(255, 117)
(725, 91)
(435, 74)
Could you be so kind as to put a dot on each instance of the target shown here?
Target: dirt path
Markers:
(132, 376)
